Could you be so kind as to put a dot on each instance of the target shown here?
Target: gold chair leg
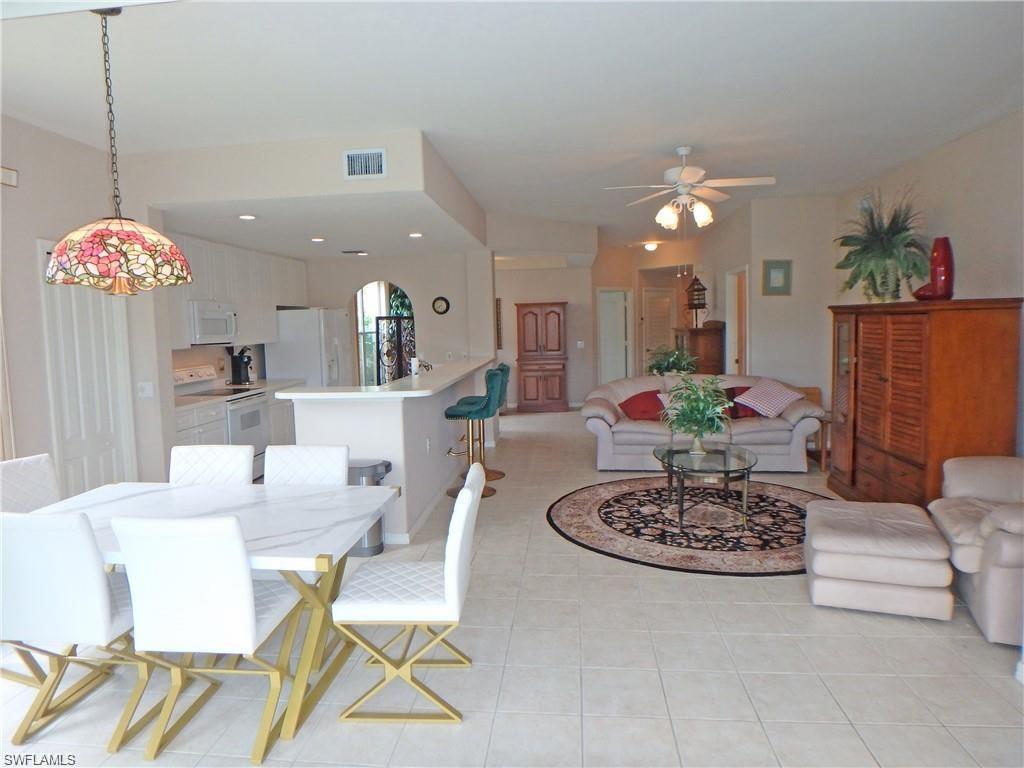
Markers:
(470, 455)
(402, 669)
(35, 677)
(268, 731)
(163, 730)
(126, 730)
(489, 474)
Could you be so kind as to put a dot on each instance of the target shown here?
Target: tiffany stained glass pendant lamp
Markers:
(116, 254)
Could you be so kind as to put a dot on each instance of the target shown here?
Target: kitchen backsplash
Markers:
(217, 357)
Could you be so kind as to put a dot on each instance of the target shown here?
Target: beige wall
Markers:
(463, 278)
(532, 285)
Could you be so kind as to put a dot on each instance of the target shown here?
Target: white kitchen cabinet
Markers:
(222, 265)
(241, 276)
(197, 253)
(174, 302)
(263, 274)
(282, 422)
(205, 424)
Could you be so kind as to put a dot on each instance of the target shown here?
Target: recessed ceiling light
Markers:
(362, 253)
(246, 217)
(650, 246)
(415, 234)
(316, 239)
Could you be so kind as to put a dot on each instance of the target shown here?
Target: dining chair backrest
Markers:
(28, 483)
(191, 584)
(458, 551)
(55, 588)
(211, 464)
(306, 465)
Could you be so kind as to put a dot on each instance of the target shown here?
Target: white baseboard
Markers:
(512, 406)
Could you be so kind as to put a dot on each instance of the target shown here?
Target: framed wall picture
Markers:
(777, 277)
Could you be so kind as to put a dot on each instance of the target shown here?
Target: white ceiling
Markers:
(537, 106)
(377, 223)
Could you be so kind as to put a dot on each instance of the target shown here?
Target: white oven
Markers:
(214, 322)
(249, 424)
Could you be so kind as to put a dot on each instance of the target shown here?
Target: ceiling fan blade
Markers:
(670, 191)
(748, 181)
(645, 186)
(691, 174)
(709, 194)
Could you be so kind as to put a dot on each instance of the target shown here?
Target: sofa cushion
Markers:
(599, 408)
(632, 432)
(760, 431)
(769, 397)
(643, 406)
(801, 409)
(1004, 517)
(960, 522)
(909, 572)
(872, 528)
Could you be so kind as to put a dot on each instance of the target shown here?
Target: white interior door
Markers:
(613, 319)
(659, 318)
(86, 339)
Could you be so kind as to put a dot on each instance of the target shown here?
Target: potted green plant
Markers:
(883, 250)
(664, 360)
(697, 409)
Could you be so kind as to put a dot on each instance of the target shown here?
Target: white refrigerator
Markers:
(313, 344)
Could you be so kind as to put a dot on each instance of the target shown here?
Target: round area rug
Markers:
(638, 520)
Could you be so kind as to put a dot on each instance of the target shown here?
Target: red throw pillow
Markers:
(643, 406)
(739, 410)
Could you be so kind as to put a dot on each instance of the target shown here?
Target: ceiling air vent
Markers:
(365, 164)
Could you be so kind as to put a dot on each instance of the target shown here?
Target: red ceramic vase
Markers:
(941, 285)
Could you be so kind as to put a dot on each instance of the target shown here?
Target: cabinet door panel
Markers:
(530, 387)
(553, 341)
(530, 332)
(554, 387)
(871, 389)
(906, 408)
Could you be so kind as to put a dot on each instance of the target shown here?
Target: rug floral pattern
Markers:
(638, 520)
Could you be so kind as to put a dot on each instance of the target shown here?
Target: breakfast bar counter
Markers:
(403, 422)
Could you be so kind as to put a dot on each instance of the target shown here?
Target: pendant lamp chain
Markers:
(110, 117)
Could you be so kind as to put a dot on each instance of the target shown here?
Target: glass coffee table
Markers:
(730, 462)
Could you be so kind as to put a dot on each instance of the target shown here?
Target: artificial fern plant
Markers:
(664, 360)
(883, 250)
(697, 409)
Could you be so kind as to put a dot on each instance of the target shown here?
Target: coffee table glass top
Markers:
(720, 458)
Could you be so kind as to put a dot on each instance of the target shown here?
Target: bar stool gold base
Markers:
(490, 474)
(454, 491)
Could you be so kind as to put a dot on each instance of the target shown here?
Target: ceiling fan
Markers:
(687, 182)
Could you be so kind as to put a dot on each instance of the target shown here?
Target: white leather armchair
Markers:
(981, 514)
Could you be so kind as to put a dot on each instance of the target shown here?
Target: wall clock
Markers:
(441, 305)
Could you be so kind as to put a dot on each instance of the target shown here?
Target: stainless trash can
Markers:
(368, 472)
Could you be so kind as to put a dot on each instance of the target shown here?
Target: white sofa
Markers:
(981, 514)
(625, 444)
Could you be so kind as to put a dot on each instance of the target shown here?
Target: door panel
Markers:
(906, 383)
(658, 320)
(871, 379)
(552, 342)
(613, 323)
(530, 334)
(90, 394)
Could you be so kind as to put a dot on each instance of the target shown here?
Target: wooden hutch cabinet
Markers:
(916, 383)
(541, 357)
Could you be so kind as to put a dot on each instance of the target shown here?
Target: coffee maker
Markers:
(240, 362)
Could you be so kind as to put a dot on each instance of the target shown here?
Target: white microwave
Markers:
(214, 322)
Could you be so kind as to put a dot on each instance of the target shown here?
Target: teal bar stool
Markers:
(474, 414)
(478, 400)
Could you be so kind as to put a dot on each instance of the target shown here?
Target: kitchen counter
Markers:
(270, 386)
(402, 422)
(427, 384)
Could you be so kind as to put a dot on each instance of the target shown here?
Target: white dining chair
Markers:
(28, 483)
(306, 465)
(56, 593)
(211, 464)
(193, 593)
(423, 596)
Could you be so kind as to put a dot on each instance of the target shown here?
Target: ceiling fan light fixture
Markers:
(668, 216)
(650, 246)
(702, 214)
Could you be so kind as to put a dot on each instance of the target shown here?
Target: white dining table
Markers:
(291, 529)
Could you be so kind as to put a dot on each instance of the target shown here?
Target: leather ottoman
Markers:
(888, 558)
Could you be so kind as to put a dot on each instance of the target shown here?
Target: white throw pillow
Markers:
(769, 397)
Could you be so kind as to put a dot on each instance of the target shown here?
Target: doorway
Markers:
(614, 333)
(658, 320)
(89, 381)
(737, 321)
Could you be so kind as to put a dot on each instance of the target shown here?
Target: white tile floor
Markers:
(581, 659)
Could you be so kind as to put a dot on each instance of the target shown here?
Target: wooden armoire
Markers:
(916, 383)
(541, 357)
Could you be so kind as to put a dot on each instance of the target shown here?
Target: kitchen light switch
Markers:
(144, 390)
